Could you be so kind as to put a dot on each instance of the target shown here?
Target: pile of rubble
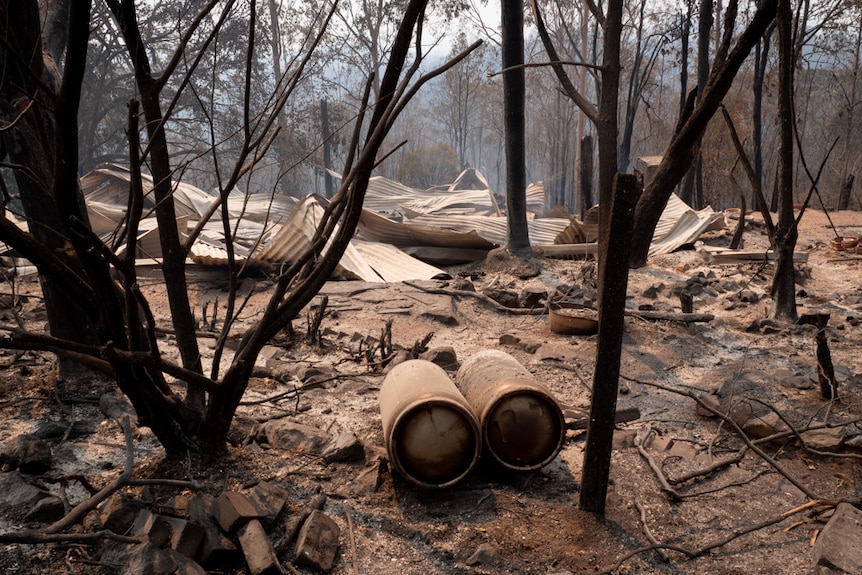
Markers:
(191, 533)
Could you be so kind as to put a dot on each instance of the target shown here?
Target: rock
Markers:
(146, 558)
(710, 399)
(558, 352)
(216, 550)
(232, 510)
(463, 284)
(184, 537)
(826, 439)
(366, 481)
(623, 439)
(854, 443)
(259, 554)
(119, 512)
(400, 356)
(764, 326)
(47, 510)
(748, 296)
(652, 291)
(317, 543)
(137, 559)
(270, 499)
(28, 454)
(792, 380)
(839, 547)
(683, 450)
(485, 554)
(512, 340)
(532, 297)
(441, 315)
(509, 339)
(157, 531)
(16, 491)
(443, 356)
(502, 296)
(345, 447)
(293, 524)
(60, 429)
(241, 429)
(291, 436)
(763, 426)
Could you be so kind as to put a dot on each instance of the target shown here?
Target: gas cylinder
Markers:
(431, 433)
(522, 425)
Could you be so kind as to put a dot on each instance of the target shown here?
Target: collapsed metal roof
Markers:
(447, 224)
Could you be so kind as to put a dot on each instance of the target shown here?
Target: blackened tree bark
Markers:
(32, 105)
(327, 147)
(783, 280)
(173, 258)
(585, 175)
(512, 24)
(608, 123)
(761, 58)
(613, 277)
(691, 189)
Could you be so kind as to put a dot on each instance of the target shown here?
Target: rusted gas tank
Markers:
(432, 435)
(523, 427)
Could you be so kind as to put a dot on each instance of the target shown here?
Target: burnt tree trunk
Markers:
(846, 192)
(585, 175)
(327, 148)
(614, 246)
(173, 254)
(512, 21)
(783, 280)
(31, 107)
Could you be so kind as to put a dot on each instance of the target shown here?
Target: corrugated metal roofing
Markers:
(270, 231)
(680, 224)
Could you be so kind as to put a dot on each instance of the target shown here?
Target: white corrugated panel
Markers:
(374, 227)
(495, 230)
(680, 224)
(392, 264)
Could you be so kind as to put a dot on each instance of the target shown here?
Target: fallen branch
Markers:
(709, 469)
(672, 316)
(735, 534)
(751, 444)
(352, 543)
(38, 537)
(648, 533)
(481, 297)
(688, 495)
(125, 479)
(672, 493)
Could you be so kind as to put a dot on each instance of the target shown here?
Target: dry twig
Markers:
(481, 297)
(352, 542)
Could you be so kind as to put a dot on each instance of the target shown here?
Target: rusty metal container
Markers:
(522, 424)
(431, 434)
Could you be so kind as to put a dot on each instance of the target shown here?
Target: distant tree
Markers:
(458, 99)
(429, 166)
